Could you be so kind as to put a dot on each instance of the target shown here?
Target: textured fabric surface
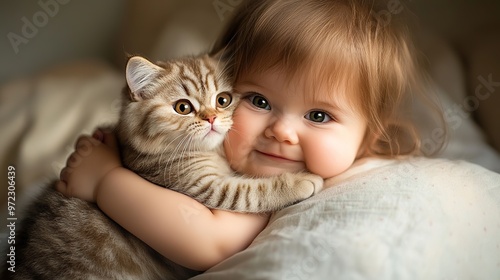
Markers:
(385, 219)
(42, 116)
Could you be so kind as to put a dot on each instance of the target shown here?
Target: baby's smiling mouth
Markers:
(275, 156)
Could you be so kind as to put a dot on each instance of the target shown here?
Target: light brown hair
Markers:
(341, 44)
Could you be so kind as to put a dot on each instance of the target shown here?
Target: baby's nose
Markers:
(282, 131)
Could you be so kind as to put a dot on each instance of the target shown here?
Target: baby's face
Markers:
(280, 128)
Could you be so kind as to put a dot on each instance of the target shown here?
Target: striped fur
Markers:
(174, 150)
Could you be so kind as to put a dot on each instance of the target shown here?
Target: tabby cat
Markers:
(172, 125)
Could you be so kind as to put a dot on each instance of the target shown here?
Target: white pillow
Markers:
(385, 219)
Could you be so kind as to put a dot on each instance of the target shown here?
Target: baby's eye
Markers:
(318, 116)
(223, 99)
(183, 107)
(259, 101)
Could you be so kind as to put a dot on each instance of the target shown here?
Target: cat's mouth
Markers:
(213, 130)
(213, 135)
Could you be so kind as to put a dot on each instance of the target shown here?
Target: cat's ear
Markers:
(140, 74)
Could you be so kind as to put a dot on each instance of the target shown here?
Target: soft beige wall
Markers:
(61, 30)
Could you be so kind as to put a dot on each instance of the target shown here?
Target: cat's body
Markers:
(67, 238)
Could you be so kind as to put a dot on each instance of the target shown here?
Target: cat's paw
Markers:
(306, 185)
(314, 180)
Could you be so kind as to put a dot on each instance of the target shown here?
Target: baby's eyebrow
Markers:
(324, 104)
(243, 87)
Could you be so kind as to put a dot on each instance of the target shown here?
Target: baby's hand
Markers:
(92, 159)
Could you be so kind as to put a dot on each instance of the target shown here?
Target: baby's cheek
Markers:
(231, 150)
(330, 164)
(323, 159)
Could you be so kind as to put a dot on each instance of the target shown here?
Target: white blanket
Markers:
(384, 219)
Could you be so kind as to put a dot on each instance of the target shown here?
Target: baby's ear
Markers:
(141, 74)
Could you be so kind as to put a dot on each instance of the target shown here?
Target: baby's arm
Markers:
(175, 225)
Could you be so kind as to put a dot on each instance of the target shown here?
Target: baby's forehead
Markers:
(339, 98)
(335, 90)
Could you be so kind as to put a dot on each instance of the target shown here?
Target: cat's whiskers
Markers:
(186, 151)
(173, 155)
(182, 148)
(167, 170)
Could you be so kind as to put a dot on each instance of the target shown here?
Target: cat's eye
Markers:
(259, 101)
(223, 100)
(183, 107)
(318, 116)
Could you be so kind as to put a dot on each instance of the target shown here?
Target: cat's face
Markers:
(178, 106)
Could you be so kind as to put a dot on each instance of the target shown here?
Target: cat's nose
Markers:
(210, 119)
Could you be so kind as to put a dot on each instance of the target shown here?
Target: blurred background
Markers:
(61, 64)
(64, 30)
(43, 33)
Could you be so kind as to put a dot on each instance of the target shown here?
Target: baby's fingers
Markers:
(106, 136)
(62, 187)
(62, 183)
(83, 147)
(110, 140)
(64, 175)
(85, 143)
(73, 160)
